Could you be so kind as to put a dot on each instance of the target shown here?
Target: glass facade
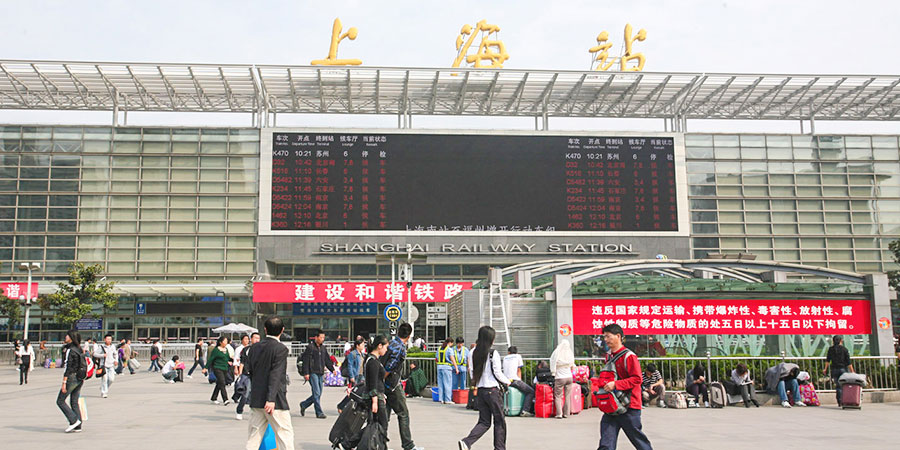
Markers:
(147, 203)
(831, 201)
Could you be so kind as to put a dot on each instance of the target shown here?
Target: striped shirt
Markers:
(653, 378)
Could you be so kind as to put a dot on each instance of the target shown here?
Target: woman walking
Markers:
(562, 362)
(487, 371)
(25, 358)
(218, 363)
(374, 374)
(71, 384)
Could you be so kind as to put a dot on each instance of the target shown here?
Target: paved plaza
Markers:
(143, 412)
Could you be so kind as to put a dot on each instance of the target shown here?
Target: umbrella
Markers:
(235, 328)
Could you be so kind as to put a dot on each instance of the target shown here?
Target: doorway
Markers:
(364, 328)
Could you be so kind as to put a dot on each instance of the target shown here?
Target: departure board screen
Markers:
(478, 183)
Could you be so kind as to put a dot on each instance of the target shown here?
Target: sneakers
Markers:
(785, 404)
(661, 404)
(706, 404)
(238, 417)
(191, 377)
(526, 414)
(216, 402)
(227, 402)
(321, 416)
(463, 446)
(103, 396)
(800, 404)
(170, 381)
(73, 426)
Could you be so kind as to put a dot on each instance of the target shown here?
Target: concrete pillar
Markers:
(703, 274)
(881, 340)
(523, 279)
(562, 288)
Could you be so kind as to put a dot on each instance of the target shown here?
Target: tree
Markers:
(78, 296)
(12, 309)
(894, 275)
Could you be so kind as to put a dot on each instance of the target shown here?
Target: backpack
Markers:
(89, 366)
(374, 436)
(616, 402)
(345, 369)
(81, 370)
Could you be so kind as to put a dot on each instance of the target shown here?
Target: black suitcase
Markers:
(347, 429)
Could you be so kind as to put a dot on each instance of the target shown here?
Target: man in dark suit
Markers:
(268, 389)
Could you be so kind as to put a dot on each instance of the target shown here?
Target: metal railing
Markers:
(881, 372)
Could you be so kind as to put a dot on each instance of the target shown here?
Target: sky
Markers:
(760, 36)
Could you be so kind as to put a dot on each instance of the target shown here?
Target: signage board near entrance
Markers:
(716, 316)
(378, 292)
(393, 313)
(89, 324)
(437, 323)
(140, 309)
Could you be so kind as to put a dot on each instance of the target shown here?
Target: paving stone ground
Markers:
(143, 412)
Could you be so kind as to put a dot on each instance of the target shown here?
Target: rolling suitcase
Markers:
(543, 401)
(577, 401)
(718, 397)
(347, 429)
(851, 390)
(513, 402)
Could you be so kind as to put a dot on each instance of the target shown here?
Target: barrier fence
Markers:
(881, 372)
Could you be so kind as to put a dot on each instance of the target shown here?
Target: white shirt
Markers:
(22, 351)
(492, 374)
(170, 366)
(511, 364)
(236, 357)
(108, 352)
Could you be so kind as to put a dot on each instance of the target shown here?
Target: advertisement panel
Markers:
(744, 316)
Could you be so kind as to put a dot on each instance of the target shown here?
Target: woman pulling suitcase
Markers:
(374, 436)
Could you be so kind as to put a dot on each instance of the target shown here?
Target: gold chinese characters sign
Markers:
(491, 51)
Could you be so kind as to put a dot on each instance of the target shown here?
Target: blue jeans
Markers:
(197, 362)
(630, 423)
(445, 383)
(795, 389)
(835, 377)
(316, 383)
(459, 379)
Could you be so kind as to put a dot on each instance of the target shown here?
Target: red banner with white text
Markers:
(378, 292)
(19, 290)
(689, 316)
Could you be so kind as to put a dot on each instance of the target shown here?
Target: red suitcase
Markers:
(576, 403)
(851, 396)
(461, 396)
(543, 401)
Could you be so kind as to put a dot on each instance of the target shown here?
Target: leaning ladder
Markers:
(497, 314)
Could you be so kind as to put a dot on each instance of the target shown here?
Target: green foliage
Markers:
(10, 308)
(410, 354)
(77, 296)
(894, 275)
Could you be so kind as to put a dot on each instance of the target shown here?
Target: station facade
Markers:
(179, 219)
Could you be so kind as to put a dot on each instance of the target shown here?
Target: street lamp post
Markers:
(29, 267)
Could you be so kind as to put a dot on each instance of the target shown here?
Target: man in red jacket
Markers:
(628, 370)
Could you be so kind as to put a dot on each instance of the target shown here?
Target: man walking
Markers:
(266, 365)
(199, 357)
(242, 385)
(108, 356)
(396, 398)
(628, 370)
(315, 360)
(127, 355)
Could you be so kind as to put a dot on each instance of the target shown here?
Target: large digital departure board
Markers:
(470, 183)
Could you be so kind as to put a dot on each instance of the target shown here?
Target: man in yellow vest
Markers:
(460, 356)
(445, 364)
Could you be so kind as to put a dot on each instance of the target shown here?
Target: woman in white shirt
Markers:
(562, 362)
(487, 368)
(25, 355)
